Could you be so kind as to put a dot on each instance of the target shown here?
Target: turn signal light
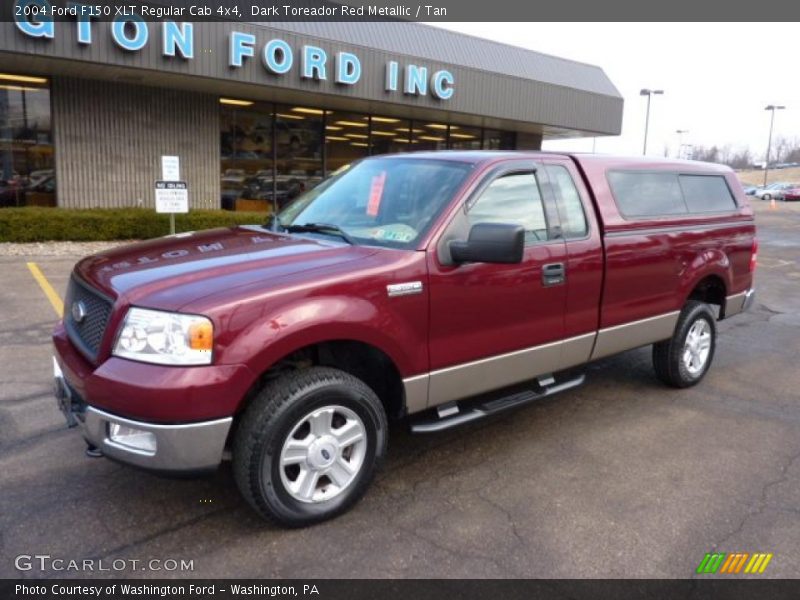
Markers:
(754, 256)
(201, 336)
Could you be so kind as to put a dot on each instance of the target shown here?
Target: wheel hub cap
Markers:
(697, 346)
(323, 454)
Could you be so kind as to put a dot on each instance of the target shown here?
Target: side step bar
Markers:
(450, 415)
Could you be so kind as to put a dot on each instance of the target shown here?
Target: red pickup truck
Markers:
(438, 287)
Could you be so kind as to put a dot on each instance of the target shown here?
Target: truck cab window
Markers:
(515, 199)
(568, 200)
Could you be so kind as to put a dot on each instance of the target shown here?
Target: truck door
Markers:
(584, 260)
(494, 325)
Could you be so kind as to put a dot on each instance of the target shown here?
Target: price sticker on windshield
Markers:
(375, 194)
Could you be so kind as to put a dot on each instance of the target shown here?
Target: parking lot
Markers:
(619, 478)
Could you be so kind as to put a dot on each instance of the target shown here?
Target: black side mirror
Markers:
(490, 243)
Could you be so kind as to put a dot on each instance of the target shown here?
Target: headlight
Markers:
(165, 338)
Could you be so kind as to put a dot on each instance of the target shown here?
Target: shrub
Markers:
(35, 224)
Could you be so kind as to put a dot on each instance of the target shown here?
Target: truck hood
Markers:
(172, 271)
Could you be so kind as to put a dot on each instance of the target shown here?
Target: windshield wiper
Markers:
(321, 228)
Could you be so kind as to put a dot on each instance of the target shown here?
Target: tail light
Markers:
(754, 256)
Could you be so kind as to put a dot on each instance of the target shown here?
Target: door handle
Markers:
(553, 274)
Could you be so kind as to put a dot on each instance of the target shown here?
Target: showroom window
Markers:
(346, 139)
(464, 138)
(428, 135)
(298, 150)
(390, 135)
(270, 153)
(494, 139)
(383, 143)
(246, 154)
(27, 158)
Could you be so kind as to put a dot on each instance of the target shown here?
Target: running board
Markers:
(450, 415)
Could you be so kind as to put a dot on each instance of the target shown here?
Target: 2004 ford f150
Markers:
(441, 287)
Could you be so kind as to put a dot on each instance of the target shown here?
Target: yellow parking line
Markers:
(52, 295)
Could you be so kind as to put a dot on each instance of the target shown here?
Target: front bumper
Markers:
(182, 448)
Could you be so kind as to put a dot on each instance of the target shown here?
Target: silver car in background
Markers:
(774, 190)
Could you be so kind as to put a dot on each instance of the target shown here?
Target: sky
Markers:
(717, 78)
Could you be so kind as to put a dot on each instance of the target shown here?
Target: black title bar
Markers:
(430, 589)
(383, 10)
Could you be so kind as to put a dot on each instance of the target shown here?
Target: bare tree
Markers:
(704, 154)
(726, 155)
(787, 150)
(741, 159)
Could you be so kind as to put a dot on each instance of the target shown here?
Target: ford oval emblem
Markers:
(78, 311)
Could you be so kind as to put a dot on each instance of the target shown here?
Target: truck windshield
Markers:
(382, 201)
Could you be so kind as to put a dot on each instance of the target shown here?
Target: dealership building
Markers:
(258, 112)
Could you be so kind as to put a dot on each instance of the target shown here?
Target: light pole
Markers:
(680, 133)
(773, 108)
(649, 94)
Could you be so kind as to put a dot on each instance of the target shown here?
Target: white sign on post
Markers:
(170, 168)
(172, 197)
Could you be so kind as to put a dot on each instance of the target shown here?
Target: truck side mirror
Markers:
(490, 243)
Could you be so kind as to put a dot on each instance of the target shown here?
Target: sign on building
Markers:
(170, 168)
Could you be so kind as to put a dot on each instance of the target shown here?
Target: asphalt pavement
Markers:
(619, 478)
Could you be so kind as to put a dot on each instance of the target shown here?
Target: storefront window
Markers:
(499, 140)
(273, 153)
(246, 151)
(27, 160)
(464, 138)
(346, 139)
(429, 136)
(390, 135)
(298, 145)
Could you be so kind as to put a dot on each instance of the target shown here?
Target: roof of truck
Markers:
(586, 158)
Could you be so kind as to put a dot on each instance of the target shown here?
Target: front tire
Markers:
(308, 446)
(766, 197)
(684, 359)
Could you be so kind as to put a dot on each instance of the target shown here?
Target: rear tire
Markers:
(766, 197)
(684, 359)
(309, 445)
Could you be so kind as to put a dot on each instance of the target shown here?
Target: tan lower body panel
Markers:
(735, 304)
(619, 338)
(487, 374)
(416, 389)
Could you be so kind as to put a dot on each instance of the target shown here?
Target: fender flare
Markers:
(309, 321)
(710, 262)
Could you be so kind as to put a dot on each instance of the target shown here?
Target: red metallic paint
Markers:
(271, 294)
(154, 393)
(649, 273)
(584, 262)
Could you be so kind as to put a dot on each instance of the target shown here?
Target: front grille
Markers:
(88, 333)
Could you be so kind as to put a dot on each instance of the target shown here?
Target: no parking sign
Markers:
(172, 197)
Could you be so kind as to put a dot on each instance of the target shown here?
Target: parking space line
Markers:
(52, 295)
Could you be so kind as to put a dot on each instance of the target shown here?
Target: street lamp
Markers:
(773, 108)
(680, 133)
(649, 94)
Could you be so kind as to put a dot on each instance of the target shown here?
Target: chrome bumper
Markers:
(178, 449)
